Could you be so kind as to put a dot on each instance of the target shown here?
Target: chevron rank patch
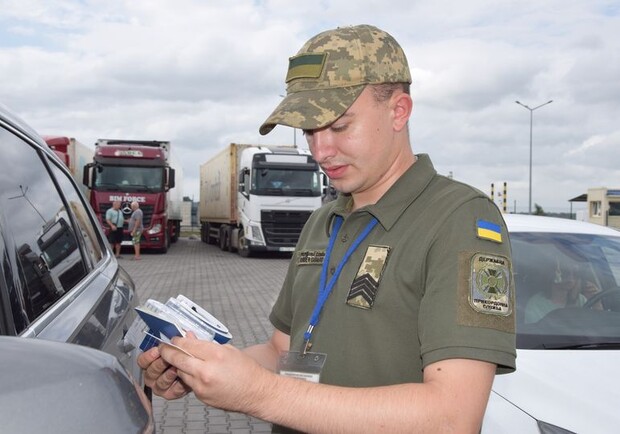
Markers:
(365, 286)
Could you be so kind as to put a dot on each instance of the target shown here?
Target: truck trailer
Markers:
(257, 198)
(141, 171)
(74, 154)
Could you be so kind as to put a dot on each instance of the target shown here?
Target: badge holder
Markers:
(296, 364)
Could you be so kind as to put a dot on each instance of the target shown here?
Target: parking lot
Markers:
(238, 291)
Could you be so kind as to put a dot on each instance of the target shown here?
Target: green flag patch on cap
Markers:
(305, 66)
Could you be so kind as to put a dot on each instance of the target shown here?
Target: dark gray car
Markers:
(59, 280)
(70, 389)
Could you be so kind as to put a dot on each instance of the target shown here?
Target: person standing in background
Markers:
(135, 228)
(115, 219)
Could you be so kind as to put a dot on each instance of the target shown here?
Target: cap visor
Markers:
(312, 109)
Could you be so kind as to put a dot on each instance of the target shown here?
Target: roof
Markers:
(580, 198)
(534, 223)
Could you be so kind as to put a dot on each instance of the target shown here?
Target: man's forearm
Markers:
(445, 403)
(265, 354)
(319, 408)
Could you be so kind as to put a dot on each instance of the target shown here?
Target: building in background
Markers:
(604, 206)
(189, 214)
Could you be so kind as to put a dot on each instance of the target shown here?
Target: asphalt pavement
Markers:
(237, 291)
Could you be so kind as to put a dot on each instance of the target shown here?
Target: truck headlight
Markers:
(256, 233)
(155, 229)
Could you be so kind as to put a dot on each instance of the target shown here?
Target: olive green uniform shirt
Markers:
(428, 283)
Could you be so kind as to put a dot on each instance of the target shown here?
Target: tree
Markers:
(538, 210)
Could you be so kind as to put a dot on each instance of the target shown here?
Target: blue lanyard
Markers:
(325, 288)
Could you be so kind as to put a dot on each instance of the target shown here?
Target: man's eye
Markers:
(338, 128)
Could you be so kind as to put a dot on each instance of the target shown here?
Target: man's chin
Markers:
(342, 190)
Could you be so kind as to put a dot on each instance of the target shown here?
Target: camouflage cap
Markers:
(331, 70)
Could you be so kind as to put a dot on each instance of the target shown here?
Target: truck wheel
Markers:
(208, 236)
(244, 250)
(176, 226)
(224, 238)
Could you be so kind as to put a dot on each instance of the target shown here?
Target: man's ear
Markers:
(402, 106)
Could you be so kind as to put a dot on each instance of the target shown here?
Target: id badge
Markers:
(306, 367)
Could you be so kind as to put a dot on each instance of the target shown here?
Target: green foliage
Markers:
(538, 210)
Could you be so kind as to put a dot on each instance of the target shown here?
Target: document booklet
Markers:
(158, 322)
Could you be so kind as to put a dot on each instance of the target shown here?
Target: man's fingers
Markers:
(170, 386)
(146, 358)
(167, 379)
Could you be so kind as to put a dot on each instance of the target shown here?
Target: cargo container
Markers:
(257, 198)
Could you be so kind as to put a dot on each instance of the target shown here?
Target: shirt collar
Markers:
(396, 200)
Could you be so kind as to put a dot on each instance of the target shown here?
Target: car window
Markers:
(92, 242)
(38, 228)
(567, 289)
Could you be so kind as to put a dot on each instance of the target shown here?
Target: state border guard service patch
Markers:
(486, 291)
(490, 284)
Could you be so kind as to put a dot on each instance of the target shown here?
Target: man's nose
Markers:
(321, 145)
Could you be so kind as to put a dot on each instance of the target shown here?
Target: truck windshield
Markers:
(285, 182)
(57, 242)
(130, 178)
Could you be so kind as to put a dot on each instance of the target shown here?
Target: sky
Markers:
(204, 73)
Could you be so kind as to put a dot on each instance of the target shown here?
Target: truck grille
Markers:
(147, 213)
(282, 228)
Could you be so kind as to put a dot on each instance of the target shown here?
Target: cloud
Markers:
(202, 74)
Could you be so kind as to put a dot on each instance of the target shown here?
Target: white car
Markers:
(568, 344)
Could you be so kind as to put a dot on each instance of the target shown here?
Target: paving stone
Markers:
(238, 291)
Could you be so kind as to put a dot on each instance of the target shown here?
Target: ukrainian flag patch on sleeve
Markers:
(488, 231)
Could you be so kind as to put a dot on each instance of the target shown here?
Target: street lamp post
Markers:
(531, 124)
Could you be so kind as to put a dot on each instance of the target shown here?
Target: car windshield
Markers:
(567, 290)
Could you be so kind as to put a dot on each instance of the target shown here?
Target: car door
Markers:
(59, 280)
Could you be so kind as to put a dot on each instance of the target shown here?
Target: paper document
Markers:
(158, 322)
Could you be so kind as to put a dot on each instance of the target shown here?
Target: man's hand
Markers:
(160, 376)
(219, 375)
(590, 289)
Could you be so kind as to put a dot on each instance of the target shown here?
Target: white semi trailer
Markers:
(257, 198)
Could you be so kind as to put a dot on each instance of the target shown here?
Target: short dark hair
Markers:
(384, 91)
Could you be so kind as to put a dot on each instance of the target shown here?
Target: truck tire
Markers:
(208, 238)
(244, 250)
(176, 231)
(203, 234)
(224, 238)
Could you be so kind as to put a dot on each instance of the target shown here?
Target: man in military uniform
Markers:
(397, 308)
